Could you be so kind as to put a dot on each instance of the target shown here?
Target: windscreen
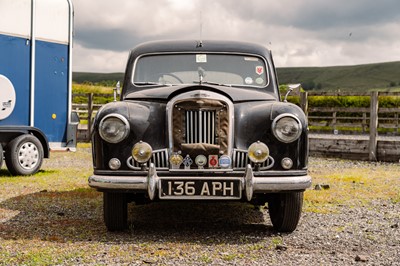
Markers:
(207, 68)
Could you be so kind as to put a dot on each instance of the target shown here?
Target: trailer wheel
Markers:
(24, 155)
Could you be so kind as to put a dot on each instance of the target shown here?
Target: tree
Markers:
(308, 85)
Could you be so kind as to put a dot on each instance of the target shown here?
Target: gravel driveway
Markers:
(46, 224)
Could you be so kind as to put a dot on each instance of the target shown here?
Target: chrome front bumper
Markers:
(249, 183)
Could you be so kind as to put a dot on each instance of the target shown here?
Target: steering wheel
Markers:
(171, 75)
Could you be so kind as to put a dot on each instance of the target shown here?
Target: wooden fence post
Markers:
(304, 102)
(373, 126)
(90, 112)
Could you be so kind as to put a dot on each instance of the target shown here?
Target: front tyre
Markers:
(24, 155)
(285, 210)
(115, 211)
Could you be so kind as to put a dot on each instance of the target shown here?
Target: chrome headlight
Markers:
(286, 128)
(114, 128)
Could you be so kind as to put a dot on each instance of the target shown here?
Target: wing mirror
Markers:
(117, 90)
(291, 87)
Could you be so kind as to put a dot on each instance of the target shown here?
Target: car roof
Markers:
(171, 46)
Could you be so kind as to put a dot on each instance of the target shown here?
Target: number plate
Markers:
(200, 189)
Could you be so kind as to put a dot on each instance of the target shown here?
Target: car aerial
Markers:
(201, 121)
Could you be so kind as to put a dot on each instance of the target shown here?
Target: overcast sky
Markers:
(299, 32)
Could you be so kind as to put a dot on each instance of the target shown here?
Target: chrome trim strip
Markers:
(33, 63)
(210, 170)
(70, 46)
(268, 67)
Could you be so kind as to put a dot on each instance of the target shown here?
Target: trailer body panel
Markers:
(35, 55)
(35, 81)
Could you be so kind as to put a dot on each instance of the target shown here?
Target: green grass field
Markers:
(382, 76)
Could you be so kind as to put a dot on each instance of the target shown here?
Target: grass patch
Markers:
(85, 88)
(355, 184)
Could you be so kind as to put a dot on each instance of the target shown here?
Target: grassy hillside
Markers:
(358, 77)
(88, 77)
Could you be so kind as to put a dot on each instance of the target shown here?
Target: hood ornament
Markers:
(200, 95)
(202, 74)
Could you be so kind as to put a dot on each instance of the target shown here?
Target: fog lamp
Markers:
(258, 152)
(114, 164)
(141, 152)
(286, 163)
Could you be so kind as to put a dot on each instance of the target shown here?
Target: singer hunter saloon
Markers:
(201, 121)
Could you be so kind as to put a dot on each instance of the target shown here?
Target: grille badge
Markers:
(225, 161)
(213, 161)
(200, 161)
(187, 162)
(176, 160)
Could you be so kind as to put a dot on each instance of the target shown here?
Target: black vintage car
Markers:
(201, 121)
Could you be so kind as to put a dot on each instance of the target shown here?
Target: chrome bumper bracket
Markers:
(249, 182)
(152, 181)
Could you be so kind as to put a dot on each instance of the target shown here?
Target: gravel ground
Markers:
(66, 226)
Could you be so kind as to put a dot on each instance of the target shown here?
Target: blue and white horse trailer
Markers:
(35, 82)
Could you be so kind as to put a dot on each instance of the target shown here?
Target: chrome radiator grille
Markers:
(200, 126)
(200, 122)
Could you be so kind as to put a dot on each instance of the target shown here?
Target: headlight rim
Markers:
(278, 118)
(124, 121)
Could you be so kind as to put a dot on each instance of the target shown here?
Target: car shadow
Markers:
(4, 172)
(76, 215)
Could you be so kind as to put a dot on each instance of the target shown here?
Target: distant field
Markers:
(88, 77)
(359, 77)
(382, 76)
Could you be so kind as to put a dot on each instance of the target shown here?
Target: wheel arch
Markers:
(8, 133)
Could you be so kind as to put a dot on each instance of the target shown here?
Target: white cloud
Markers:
(300, 33)
(96, 60)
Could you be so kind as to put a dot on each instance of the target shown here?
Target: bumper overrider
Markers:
(212, 187)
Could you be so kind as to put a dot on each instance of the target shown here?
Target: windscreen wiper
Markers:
(214, 83)
(151, 83)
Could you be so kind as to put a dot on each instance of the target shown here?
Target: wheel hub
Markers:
(28, 155)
